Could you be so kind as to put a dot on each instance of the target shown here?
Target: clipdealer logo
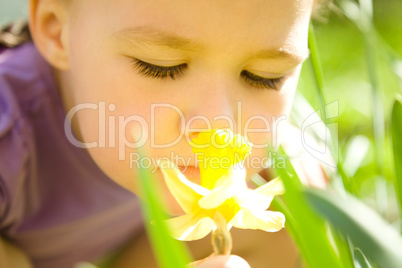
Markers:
(117, 127)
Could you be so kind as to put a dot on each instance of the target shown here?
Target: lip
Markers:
(191, 172)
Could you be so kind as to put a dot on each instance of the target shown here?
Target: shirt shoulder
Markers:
(21, 86)
(45, 195)
(25, 77)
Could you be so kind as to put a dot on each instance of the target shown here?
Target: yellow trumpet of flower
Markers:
(223, 199)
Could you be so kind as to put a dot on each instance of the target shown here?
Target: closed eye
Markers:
(156, 71)
(176, 71)
(261, 82)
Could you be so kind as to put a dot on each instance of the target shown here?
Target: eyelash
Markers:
(156, 71)
(260, 82)
(174, 72)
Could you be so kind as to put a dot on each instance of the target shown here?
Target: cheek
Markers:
(119, 112)
(264, 119)
(264, 116)
(107, 83)
(115, 125)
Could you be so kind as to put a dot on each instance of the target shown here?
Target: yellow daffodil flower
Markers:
(223, 199)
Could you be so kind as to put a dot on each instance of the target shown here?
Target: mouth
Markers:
(191, 172)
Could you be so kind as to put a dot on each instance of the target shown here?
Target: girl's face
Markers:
(152, 74)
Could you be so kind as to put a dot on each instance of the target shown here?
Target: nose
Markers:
(212, 105)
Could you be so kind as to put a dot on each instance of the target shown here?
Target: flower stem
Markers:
(221, 238)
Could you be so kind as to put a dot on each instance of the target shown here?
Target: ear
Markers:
(48, 26)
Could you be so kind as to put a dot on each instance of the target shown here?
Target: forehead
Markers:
(272, 24)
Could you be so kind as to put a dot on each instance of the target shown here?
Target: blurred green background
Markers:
(346, 68)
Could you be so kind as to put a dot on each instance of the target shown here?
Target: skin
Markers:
(100, 68)
(92, 45)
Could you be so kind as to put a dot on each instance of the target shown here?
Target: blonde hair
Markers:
(17, 32)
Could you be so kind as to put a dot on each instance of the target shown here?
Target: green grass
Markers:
(169, 252)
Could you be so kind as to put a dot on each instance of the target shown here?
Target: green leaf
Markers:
(365, 228)
(311, 233)
(169, 253)
(317, 70)
(361, 260)
(320, 86)
(396, 134)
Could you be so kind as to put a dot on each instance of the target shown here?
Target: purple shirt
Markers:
(55, 203)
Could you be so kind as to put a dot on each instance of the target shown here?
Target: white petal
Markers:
(214, 199)
(226, 187)
(252, 200)
(239, 173)
(185, 192)
(260, 198)
(269, 221)
(217, 196)
(273, 187)
(188, 227)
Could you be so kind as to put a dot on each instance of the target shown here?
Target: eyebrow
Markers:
(150, 35)
(143, 35)
(284, 53)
